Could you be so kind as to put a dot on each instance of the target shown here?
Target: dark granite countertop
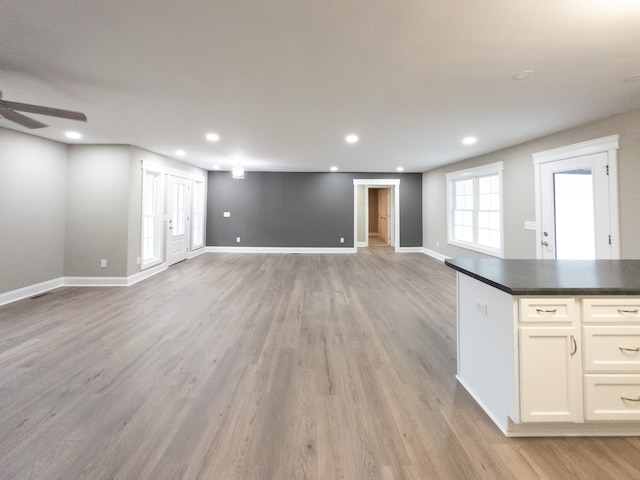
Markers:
(554, 277)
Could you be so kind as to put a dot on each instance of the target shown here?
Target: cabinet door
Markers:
(550, 384)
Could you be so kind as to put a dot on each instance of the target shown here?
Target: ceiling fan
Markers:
(8, 111)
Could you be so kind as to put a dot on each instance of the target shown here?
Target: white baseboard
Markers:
(362, 244)
(147, 273)
(196, 253)
(30, 291)
(39, 288)
(280, 250)
(409, 250)
(36, 289)
(434, 254)
(94, 281)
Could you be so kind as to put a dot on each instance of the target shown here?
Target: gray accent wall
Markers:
(33, 180)
(294, 209)
(519, 191)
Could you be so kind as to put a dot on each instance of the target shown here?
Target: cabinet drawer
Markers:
(612, 397)
(547, 309)
(611, 348)
(611, 310)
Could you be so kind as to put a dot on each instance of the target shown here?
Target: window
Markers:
(197, 225)
(152, 194)
(475, 209)
(178, 214)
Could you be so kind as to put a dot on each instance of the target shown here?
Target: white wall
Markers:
(519, 195)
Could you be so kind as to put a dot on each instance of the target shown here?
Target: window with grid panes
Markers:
(475, 209)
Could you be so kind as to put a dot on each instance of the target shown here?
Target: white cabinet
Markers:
(549, 374)
(548, 310)
(611, 358)
(564, 379)
(612, 348)
(549, 360)
(550, 365)
(612, 397)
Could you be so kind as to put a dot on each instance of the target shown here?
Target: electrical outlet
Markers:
(437, 244)
(237, 239)
(103, 264)
(138, 261)
(341, 239)
(481, 307)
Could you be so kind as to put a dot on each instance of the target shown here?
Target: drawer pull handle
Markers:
(624, 349)
(631, 399)
(629, 311)
(575, 346)
(543, 311)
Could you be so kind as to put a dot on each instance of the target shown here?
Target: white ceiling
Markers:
(283, 81)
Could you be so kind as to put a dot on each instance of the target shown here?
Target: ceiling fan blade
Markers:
(53, 112)
(20, 119)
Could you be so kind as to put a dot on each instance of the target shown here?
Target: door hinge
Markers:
(607, 169)
(609, 239)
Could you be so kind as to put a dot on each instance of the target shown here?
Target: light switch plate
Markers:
(226, 214)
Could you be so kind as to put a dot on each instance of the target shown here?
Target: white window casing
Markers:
(475, 219)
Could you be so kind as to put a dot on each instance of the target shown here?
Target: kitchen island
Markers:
(551, 347)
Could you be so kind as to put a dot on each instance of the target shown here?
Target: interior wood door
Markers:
(383, 214)
(179, 211)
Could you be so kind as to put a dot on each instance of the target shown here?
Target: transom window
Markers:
(475, 209)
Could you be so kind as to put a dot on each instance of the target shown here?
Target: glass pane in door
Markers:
(574, 214)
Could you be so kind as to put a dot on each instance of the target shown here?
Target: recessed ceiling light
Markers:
(523, 74)
(469, 140)
(73, 135)
(351, 138)
(216, 167)
(400, 169)
(237, 172)
(181, 153)
(633, 78)
(334, 169)
(213, 137)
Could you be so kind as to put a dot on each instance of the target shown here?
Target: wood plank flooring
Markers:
(262, 366)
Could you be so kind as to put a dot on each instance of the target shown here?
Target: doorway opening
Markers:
(379, 227)
(376, 213)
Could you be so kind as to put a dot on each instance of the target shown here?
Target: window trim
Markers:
(159, 185)
(198, 208)
(474, 173)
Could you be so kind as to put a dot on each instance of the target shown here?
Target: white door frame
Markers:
(394, 186)
(608, 145)
(170, 256)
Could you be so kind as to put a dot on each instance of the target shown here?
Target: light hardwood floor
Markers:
(256, 366)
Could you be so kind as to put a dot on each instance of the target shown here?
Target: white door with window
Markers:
(577, 204)
(178, 217)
